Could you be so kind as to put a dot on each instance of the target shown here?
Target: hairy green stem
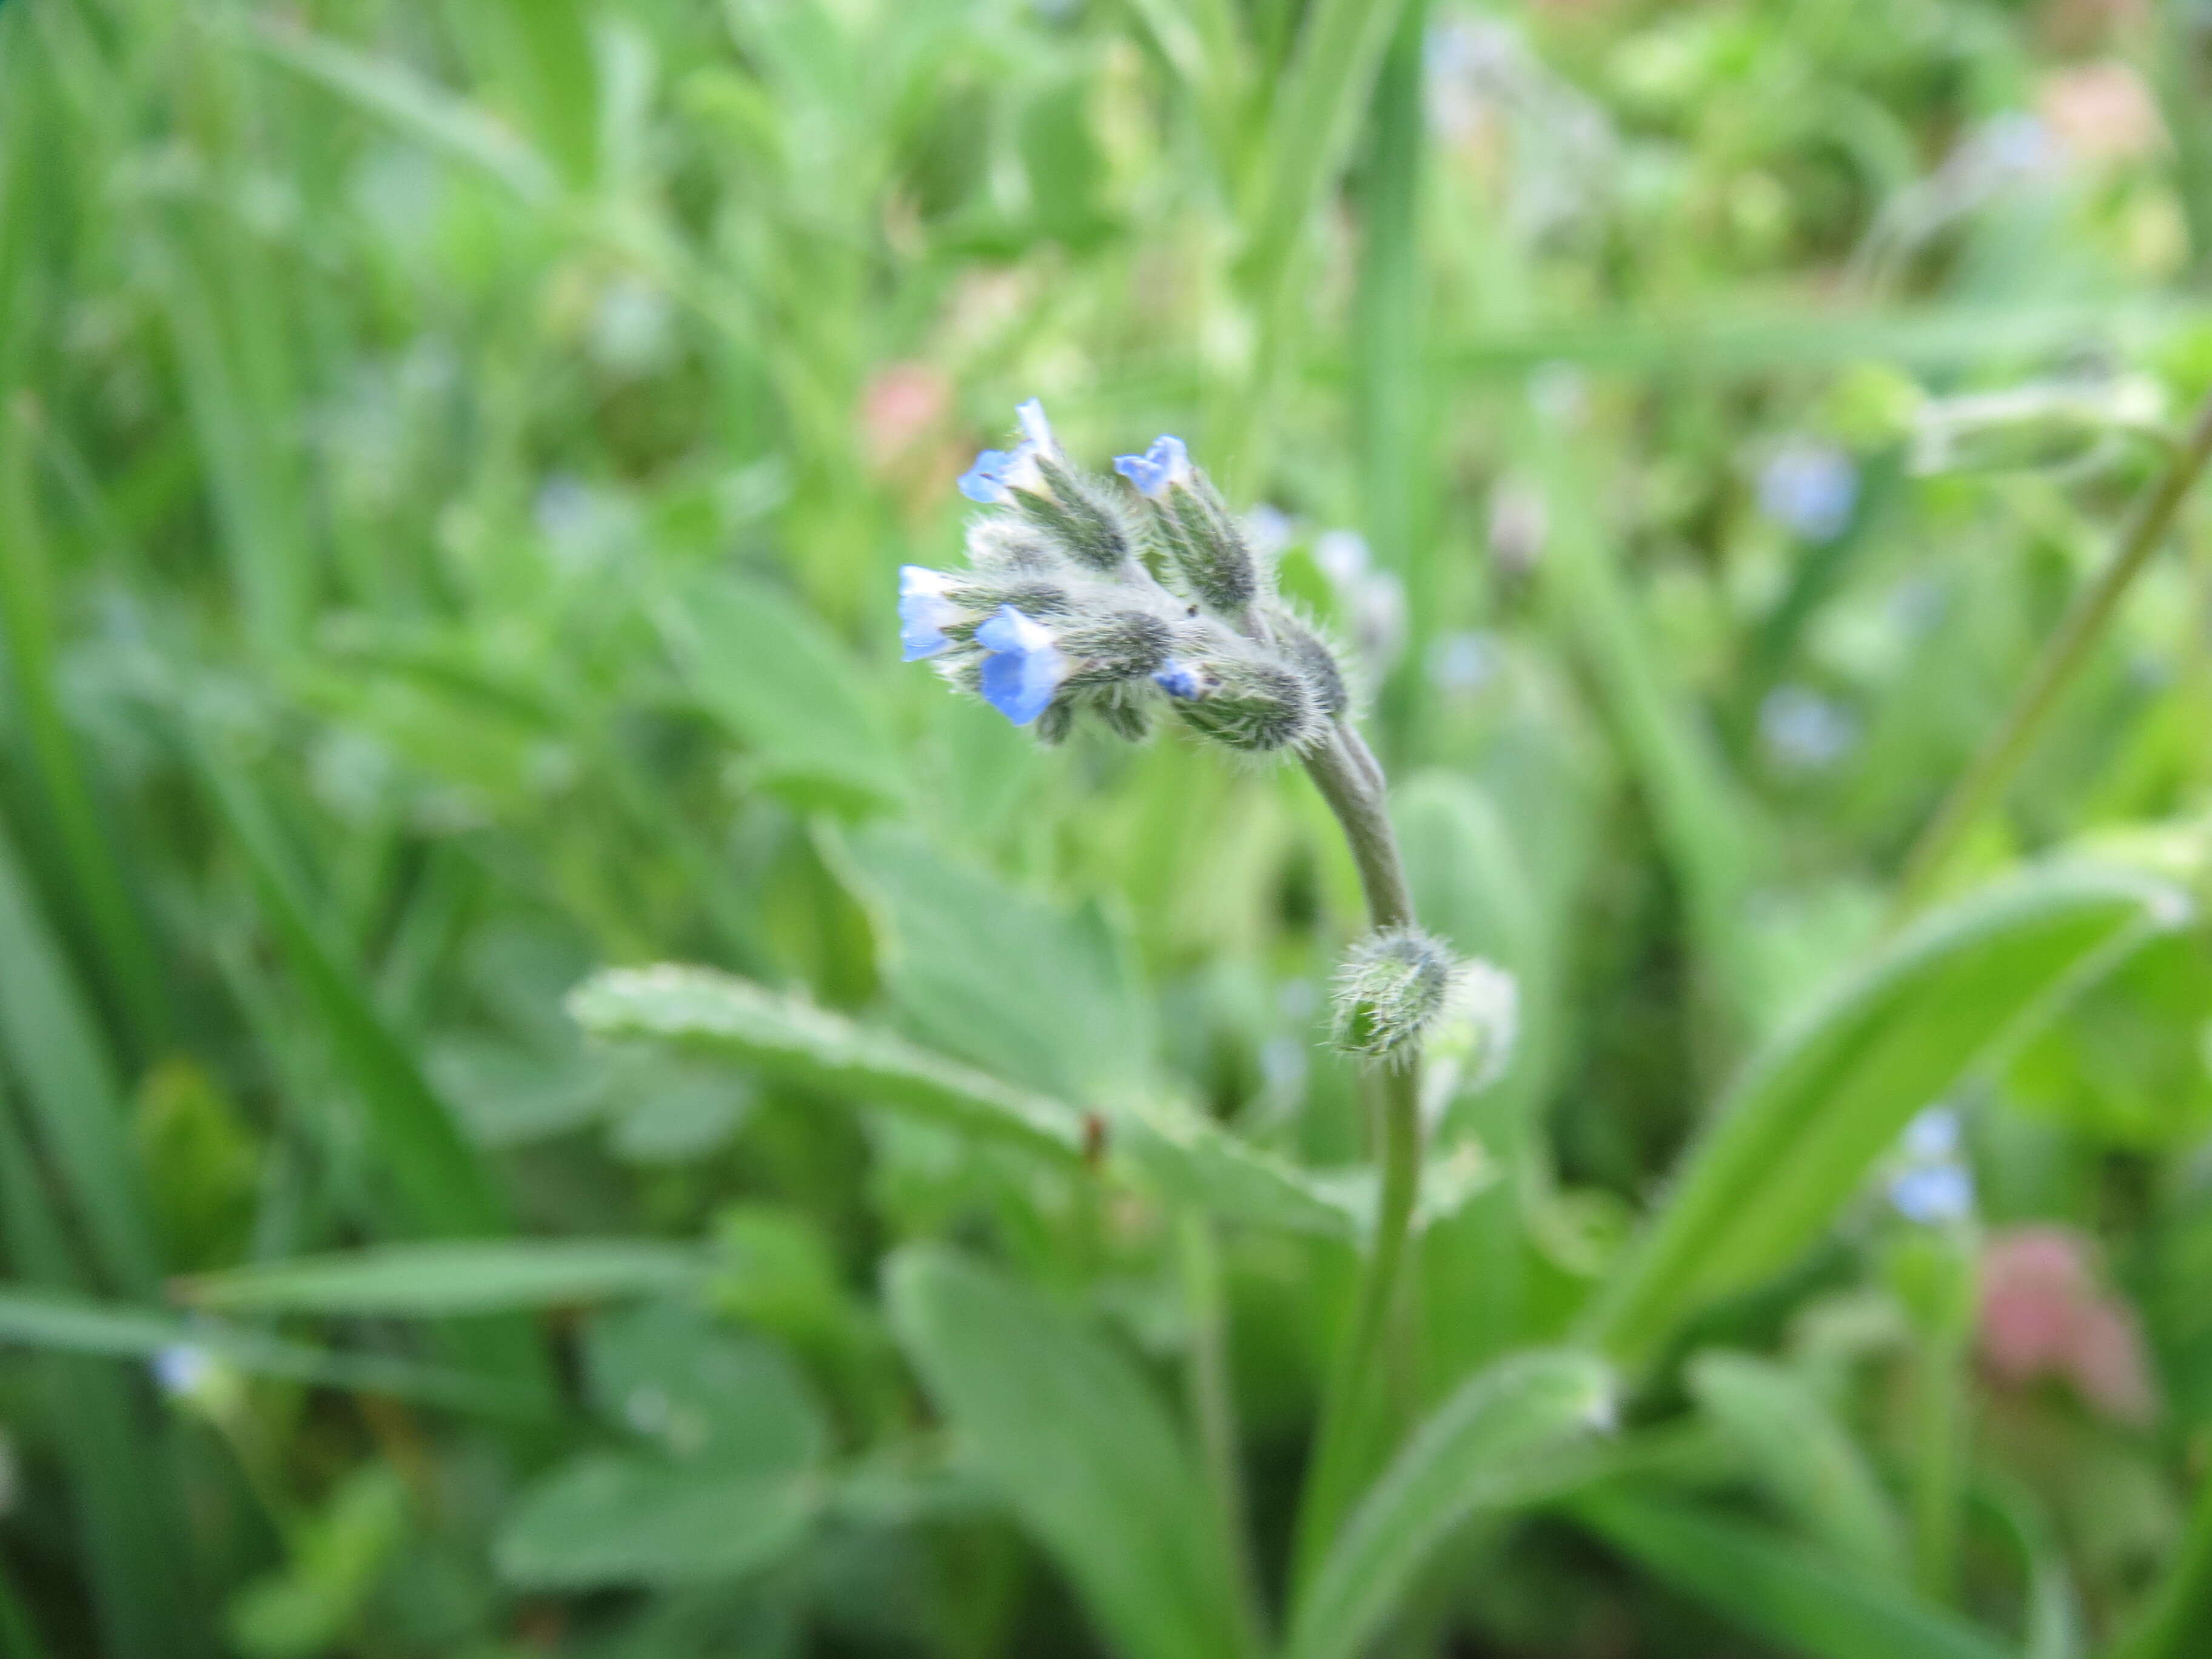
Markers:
(1349, 779)
(1992, 771)
(2179, 1608)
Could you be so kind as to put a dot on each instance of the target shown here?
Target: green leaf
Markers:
(1003, 979)
(713, 1013)
(605, 1520)
(1783, 1592)
(1802, 1458)
(1200, 1162)
(770, 672)
(440, 1280)
(1830, 1094)
(1070, 1431)
(700, 1391)
(66, 1323)
(1501, 1440)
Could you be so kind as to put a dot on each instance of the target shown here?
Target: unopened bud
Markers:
(1311, 655)
(1245, 702)
(1391, 990)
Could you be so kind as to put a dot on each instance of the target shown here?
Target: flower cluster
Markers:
(1077, 599)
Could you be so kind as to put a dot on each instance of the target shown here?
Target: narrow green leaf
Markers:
(1781, 1591)
(69, 1323)
(49, 1041)
(433, 1280)
(1802, 1458)
(1504, 1439)
(1070, 1431)
(1832, 1092)
(427, 113)
(713, 1013)
(1203, 1164)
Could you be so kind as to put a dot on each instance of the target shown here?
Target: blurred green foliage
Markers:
(453, 466)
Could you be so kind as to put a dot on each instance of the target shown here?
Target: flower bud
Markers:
(1311, 655)
(1194, 527)
(1243, 700)
(1391, 990)
(1122, 645)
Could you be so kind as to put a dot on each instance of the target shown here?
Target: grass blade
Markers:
(441, 1280)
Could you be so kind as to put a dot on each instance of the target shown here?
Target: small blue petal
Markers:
(1180, 679)
(923, 611)
(984, 481)
(1035, 427)
(1156, 468)
(1024, 668)
(1933, 1193)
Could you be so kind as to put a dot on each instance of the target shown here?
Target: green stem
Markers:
(2179, 1609)
(1939, 1410)
(1351, 782)
(1213, 1408)
(1978, 790)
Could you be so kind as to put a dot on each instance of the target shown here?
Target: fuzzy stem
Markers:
(1993, 770)
(1351, 782)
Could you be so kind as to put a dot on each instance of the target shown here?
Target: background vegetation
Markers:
(453, 463)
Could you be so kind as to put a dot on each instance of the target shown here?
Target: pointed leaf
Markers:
(1831, 1094)
(1803, 1600)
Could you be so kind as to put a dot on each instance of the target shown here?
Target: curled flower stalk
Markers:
(1085, 599)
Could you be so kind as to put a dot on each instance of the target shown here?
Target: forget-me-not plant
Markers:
(1084, 597)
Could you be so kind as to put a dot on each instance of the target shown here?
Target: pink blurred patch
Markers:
(902, 407)
(2042, 1314)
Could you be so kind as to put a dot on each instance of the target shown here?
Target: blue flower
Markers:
(1934, 1185)
(1932, 1137)
(997, 473)
(1810, 489)
(1931, 1194)
(1167, 462)
(924, 609)
(1181, 680)
(985, 483)
(1023, 668)
(182, 1368)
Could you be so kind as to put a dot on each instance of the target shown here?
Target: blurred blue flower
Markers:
(1167, 462)
(183, 1369)
(1462, 663)
(924, 609)
(1809, 490)
(1804, 730)
(1023, 668)
(1933, 1193)
(1933, 1185)
(1933, 1136)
